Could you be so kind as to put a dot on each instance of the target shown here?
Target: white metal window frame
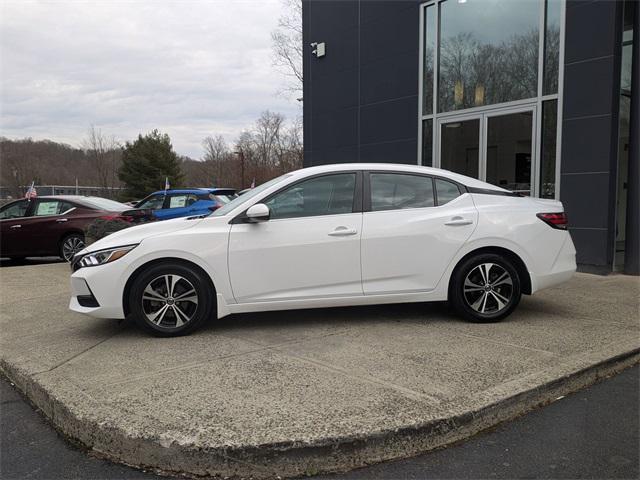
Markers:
(495, 109)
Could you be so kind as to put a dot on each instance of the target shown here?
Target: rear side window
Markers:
(394, 191)
(446, 191)
(326, 195)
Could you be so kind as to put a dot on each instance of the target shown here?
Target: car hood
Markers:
(135, 235)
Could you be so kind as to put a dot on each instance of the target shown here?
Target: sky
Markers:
(188, 68)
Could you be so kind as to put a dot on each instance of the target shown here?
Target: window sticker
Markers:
(47, 208)
(178, 202)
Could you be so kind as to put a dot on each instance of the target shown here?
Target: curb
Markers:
(289, 459)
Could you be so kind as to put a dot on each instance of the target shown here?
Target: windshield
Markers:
(247, 196)
(105, 204)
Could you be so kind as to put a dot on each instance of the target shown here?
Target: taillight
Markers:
(555, 220)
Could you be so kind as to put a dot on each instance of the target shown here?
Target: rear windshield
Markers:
(104, 204)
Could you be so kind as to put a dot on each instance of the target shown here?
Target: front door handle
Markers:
(458, 221)
(342, 232)
(60, 220)
(16, 226)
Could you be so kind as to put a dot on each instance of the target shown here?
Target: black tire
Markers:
(180, 316)
(70, 245)
(483, 301)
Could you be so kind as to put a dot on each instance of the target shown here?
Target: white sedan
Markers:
(336, 235)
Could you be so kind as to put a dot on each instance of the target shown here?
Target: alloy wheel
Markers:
(71, 246)
(169, 301)
(488, 288)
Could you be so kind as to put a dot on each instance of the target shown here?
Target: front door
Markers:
(496, 147)
(309, 248)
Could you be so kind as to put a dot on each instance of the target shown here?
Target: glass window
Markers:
(182, 200)
(393, 191)
(154, 202)
(326, 195)
(49, 207)
(104, 204)
(460, 147)
(446, 191)
(488, 52)
(551, 46)
(429, 53)
(427, 142)
(548, 152)
(14, 210)
(509, 151)
(239, 200)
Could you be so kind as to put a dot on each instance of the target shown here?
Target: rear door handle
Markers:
(15, 226)
(60, 220)
(342, 232)
(458, 221)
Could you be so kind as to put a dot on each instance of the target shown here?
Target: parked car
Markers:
(52, 225)
(335, 235)
(163, 205)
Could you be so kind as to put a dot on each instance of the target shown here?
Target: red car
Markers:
(52, 226)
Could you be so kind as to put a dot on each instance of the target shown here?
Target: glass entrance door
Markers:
(497, 147)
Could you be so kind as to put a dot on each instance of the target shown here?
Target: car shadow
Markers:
(9, 262)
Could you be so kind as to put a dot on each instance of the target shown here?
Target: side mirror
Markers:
(258, 213)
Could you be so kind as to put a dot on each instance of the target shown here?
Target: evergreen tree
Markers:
(147, 162)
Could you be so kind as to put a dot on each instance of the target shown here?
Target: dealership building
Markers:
(536, 96)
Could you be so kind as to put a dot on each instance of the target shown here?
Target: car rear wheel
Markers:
(485, 288)
(171, 299)
(70, 245)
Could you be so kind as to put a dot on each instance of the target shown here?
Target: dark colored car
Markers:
(52, 226)
(185, 202)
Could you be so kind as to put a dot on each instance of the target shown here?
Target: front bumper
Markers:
(98, 291)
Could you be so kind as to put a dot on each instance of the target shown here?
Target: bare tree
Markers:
(216, 152)
(104, 153)
(287, 47)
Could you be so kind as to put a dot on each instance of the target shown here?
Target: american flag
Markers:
(31, 191)
(167, 185)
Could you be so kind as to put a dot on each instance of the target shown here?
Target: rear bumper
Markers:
(562, 270)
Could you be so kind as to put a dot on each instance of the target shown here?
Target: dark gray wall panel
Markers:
(591, 88)
(586, 145)
(598, 38)
(336, 128)
(389, 78)
(586, 199)
(377, 9)
(392, 152)
(591, 247)
(335, 91)
(327, 156)
(393, 34)
(387, 121)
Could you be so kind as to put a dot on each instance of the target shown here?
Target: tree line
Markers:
(132, 169)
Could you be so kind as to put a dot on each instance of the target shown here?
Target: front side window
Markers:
(446, 191)
(393, 191)
(154, 203)
(326, 195)
(14, 210)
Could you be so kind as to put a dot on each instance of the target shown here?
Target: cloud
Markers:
(188, 68)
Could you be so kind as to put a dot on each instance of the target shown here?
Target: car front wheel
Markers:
(70, 245)
(485, 288)
(171, 299)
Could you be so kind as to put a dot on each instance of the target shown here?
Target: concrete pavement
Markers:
(289, 393)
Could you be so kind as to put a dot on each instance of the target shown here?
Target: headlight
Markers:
(100, 257)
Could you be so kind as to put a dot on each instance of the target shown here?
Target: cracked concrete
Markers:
(288, 393)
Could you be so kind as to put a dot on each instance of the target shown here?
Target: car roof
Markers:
(194, 190)
(397, 167)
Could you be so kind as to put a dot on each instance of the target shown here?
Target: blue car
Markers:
(187, 202)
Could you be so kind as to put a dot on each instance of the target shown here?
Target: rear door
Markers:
(413, 225)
